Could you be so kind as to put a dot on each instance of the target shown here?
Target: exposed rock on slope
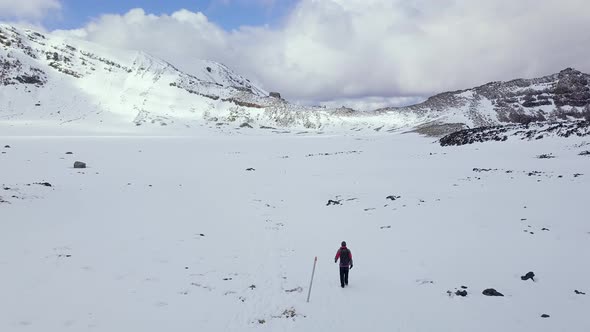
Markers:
(522, 131)
(561, 96)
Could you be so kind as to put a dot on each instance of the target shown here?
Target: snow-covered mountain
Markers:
(48, 79)
(561, 96)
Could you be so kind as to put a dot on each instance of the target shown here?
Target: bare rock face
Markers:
(533, 131)
(79, 164)
(275, 95)
(561, 96)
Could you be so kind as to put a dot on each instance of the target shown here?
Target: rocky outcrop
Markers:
(528, 131)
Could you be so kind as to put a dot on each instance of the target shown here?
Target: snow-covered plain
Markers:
(174, 234)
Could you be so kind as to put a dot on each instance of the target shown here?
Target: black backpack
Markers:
(344, 256)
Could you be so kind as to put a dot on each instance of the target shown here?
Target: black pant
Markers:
(344, 275)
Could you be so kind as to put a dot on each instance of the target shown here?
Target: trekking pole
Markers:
(311, 282)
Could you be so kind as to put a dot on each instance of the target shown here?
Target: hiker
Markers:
(345, 263)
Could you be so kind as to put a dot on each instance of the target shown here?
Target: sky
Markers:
(360, 53)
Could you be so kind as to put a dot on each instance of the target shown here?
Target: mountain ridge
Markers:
(49, 79)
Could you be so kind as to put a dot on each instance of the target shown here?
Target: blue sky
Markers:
(228, 14)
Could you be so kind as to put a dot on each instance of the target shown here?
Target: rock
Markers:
(392, 197)
(462, 293)
(69, 152)
(491, 292)
(579, 293)
(545, 229)
(383, 227)
(545, 316)
(297, 289)
(250, 169)
(333, 202)
(79, 164)
(208, 69)
(275, 95)
(7, 146)
(479, 170)
(529, 275)
(46, 184)
(464, 287)
(245, 125)
(585, 153)
(546, 156)
(201, 235)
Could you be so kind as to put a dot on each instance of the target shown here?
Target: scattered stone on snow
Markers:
(287, 313)
(45, 184)
(393, 197)
(333, 202)
(545, 229)
(579, 292)
(546, 156)
(462, 293)
(424, 281)
(7, 146)
(296, 289)
(79, 164)
(491, 292)
(250, 169)
(578, 174)
(585, 153)
(384, 227)
(529, 275)
(252, 287)
(545, 316)
(479, 170)
(69, 152)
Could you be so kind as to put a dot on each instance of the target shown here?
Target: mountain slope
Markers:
(56, 82)
(47, 79)
(561, 96)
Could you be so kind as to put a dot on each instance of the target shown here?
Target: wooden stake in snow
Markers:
(311, 282)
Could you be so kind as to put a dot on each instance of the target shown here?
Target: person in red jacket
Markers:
(345, 257)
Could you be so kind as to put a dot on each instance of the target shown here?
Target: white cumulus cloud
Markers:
(27, 9)
(354, 49)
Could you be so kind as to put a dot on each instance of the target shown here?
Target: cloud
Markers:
(349, 49)
(28, 9)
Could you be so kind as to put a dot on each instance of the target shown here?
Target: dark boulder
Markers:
(491, 292)
(529, 275)
(79, 164)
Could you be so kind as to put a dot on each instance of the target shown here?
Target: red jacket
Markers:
(345, 264)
